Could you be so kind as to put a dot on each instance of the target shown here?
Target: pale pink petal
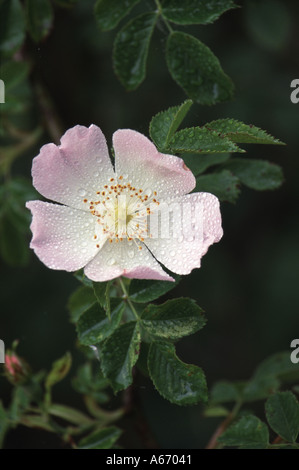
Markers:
(75, 170)
(124, 259)
(194, 225)
(140, 163)
(63, 238)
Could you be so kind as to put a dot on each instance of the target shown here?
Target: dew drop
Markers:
(172, 253)
(148, 192)
(82, 192)
(131, 254)
(111, 261)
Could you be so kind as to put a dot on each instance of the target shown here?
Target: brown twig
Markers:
(213, 442)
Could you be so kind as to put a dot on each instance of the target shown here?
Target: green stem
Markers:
(127, 298)
(69, 414)
(101, 415)
(160, 11)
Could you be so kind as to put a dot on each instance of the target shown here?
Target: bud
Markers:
(16, 369)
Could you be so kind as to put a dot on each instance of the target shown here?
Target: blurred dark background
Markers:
(248, 283)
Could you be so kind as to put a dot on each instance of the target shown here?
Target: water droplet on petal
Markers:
(81, 192)
(131, 254)
(111, 261)
(172, 253)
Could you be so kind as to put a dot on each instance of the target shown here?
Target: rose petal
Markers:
(124, 259)
(140, 163)
(196, 221)
(63, 238)
(75, 170)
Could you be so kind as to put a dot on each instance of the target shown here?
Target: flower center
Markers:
(122, 211)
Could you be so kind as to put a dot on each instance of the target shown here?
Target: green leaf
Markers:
(94, 326)
(256, 174)
(12, 73)
(12, 31)
(143, 291)
(102, 293)
(19, 404)
(194, 11)
(226, 392)
(39, 17)
(173, 319)
(103, 439)
(242, 133)
(197, 70)
(282, 411)
(259, 389)
(201, 140)
(216, 412)
(69, 414)
(88, 382)
(223, 184)
(110, 12)
(80, 301)
(60, 369)
(119, 354)
(248, 433)
(278, 366)
(180, 383)
(131, 50)
(200, 163)
(163, 125)
(16, 193)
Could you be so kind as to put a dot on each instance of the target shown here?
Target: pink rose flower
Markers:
(122, 220)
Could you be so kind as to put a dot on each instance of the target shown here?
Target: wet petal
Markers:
(185, 229)
(140, 163)
(63, 238)
(124, 259)
(75, 170)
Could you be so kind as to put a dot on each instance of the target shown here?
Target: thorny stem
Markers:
(160, 11)
(213, 443)
(127, 298)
